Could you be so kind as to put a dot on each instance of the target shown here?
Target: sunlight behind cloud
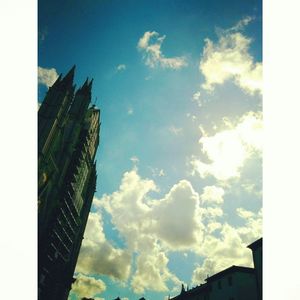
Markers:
(229, 58)
(228, 149)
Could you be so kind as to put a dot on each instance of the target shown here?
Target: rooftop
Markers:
(256, 244)
(230, 270)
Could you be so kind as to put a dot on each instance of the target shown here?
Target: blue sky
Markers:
(179, 162)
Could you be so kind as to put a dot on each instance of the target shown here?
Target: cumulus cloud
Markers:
(181, 203)
(98, 256)
(152, 272)
(47, 76)
(229, 58)
(180, 220)
(253, 225)
(134, 213)
(150, 45)
(86, 286)
(221, 253)
(227, 150)
(213, 226)
(151, 227)
(231, 248)
(212, 194)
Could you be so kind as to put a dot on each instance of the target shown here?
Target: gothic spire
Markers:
(57, 80)
(91, 83)
(86, 83)
(70, 76)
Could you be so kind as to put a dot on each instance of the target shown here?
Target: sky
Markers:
(179, 85)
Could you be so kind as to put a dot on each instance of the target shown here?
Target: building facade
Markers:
(256, 248)
(68, 137)
(233, 283)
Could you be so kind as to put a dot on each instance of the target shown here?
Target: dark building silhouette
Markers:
(200, 292)
(256, 248)
(233, 283)
(68, 137)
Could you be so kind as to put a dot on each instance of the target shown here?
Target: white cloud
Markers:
(193, 117)
(253, 225)
(47, 76)
(212, 212)
(181, 203)
(98, 256)
(196, 95)
(121, 67)
(150, 227)
(231, 248)
(245, 214)
(86, 286)
(227, 150)
(134, 213)
(241, 24)
(213, 226)
(152, 272)
(197, 99)
(150, 44)
(221, 253)
(229, 58)
(130, 111)
(212, 194)
(161, 173)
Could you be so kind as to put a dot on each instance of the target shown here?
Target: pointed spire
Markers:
(182, 288)
(57, 80)
(70, 75)
(86, 83)
(91, 83)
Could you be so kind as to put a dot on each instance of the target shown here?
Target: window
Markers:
(230, 280)
(219, 284)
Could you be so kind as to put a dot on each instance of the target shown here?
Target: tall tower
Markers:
(68, 137)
